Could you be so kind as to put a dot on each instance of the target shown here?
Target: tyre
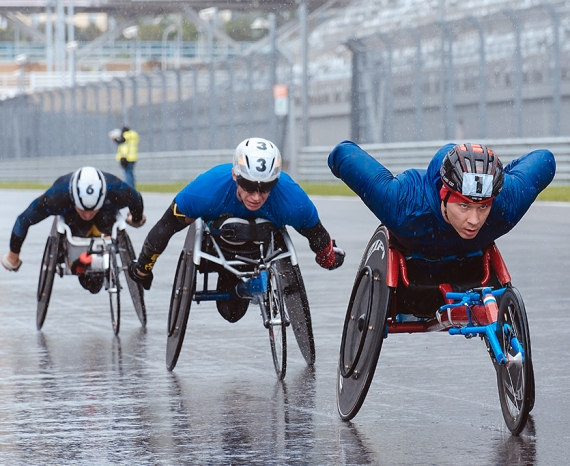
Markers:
(297, 308)
(114, 290)
(515, 380)
(364, 327)
(47, 274)
(127, 253)
(277, 322)
(183, 290)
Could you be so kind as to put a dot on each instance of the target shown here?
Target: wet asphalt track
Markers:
(75, 394)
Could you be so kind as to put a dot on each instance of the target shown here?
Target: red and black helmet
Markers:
(473, 171)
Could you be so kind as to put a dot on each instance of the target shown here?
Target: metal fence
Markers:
(311, 164)
(207, 106)
(501, 75)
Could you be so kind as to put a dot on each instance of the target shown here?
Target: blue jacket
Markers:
(410, 207)
(213, 195)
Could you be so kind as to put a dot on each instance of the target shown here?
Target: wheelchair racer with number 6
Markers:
(254, 187)
(437, 237)
(88, 201)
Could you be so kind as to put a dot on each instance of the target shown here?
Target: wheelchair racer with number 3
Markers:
(437, 233)
(254, 187)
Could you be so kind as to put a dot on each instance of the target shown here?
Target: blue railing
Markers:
(145, 50)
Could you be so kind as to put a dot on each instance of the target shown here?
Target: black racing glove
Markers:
(145, 281)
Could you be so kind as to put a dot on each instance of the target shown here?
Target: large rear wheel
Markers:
(277, 322)
(114, 290)
(297, 308)
(47, 275)
(183, 290)
(127, 253)
(364, 327)
(515, 379)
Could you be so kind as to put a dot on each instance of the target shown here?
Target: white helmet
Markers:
(88, 188)
(257, 164)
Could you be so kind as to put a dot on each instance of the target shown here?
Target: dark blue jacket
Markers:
(57, 201)
(410, 207)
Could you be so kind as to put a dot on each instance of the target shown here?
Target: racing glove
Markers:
(331, 257)
(8, 265)
(145, 281)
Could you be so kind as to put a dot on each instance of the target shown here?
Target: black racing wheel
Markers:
(183, 290)
(47, 275)
(364, 326)
(127, 253)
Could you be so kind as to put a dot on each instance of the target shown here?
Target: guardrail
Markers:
(183, 166)
(397, 157)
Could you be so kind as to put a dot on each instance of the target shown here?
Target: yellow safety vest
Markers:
(130, 148)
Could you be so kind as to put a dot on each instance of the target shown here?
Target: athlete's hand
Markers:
(331, 257)
(11, 261)
(129, 220)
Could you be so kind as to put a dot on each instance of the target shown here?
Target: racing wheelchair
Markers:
(264, 261)
(63, 251)
(491, 308)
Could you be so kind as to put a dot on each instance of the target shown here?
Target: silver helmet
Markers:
(88, 188)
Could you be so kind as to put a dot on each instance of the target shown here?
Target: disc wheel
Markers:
(114, 290)
(127, 253)
(45, 282)
(183, 290)
(364, 327)
(515, 380)
(277, 322)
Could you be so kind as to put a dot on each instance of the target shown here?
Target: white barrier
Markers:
(183, 166)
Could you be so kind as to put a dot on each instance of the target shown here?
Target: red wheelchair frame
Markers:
(498, 317)
(457, 317)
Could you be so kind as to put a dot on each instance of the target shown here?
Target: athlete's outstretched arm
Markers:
(328, 255)
(525, 178)
(158, 237)
(369, 179)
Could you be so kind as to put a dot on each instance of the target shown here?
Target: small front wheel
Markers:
(515, 379)
(278, 322)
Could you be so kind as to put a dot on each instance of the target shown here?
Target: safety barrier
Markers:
(311, 164)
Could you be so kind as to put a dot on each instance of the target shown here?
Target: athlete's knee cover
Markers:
(233, 310)
(91, 282)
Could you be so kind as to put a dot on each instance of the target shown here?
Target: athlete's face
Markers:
(252, 200)
(466, 218)
(86, 214)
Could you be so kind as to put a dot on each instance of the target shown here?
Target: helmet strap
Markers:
(444, 200)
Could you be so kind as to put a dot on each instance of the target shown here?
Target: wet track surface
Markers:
(75, 394)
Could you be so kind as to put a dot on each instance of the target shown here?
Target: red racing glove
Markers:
(331, 257)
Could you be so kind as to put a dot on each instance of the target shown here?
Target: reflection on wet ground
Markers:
(75, 394)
